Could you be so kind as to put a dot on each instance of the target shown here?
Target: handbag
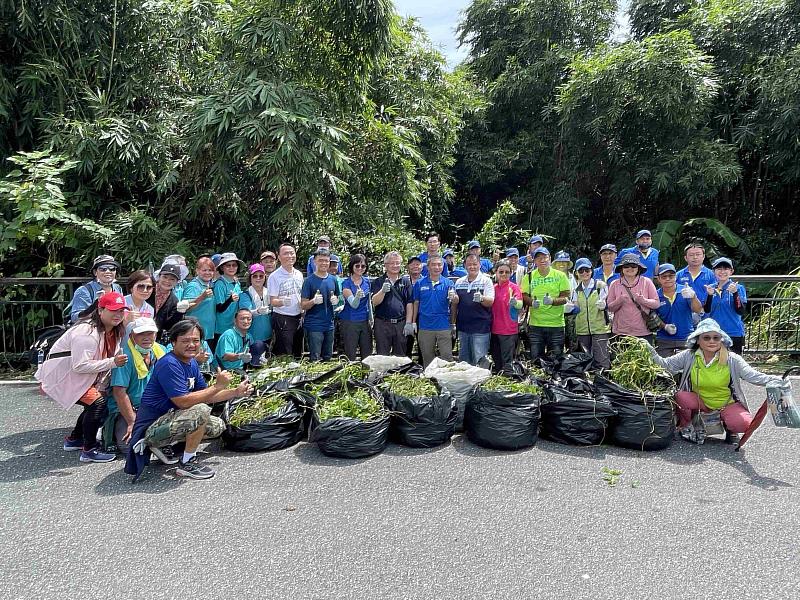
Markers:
(651, 319)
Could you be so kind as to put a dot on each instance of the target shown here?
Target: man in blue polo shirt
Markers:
(433, 296)
(320, 297)
(644, 251)
(678, 304)
(474, 312)
(606, 272)
(535, 242)
(474, 248)
(695, 273)
(433, 244)
(391, 297)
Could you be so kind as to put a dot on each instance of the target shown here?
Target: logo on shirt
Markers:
(190, 383)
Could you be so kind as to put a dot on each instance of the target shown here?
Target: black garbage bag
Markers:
(301, 379)
(347, 437)
(422, 422)
(515, 370)
(412, 368)
(643, 421)
(572, 414)
(576, 364)
(279, 430)
(502, 420)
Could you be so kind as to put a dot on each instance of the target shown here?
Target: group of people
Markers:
(138, 363)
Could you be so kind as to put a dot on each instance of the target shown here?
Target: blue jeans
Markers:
(320, 344)
(546, 338)
(473, 346)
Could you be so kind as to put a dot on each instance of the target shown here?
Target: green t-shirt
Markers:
(536, 285)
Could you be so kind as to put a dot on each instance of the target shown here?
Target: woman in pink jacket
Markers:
(78, 369)
(507, 304)
(629, 297)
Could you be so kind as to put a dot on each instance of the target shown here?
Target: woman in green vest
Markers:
(591, 322)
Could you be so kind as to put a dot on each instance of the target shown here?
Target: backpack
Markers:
(45, 339)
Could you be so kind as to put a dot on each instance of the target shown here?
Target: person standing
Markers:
(354, 319)
(164, 299)
(592, 323)
(323, 242)
(269, 261)
(284, 287)
(433, 297)
(474, 248)
(534, 243)
(320, 296)
(226, 292)
(644, 252)
(517, 270)
(233, 347)
(506, 308)
(256, 300)
(391, 297)
(140, 288)
(726, 302)
(545, 291)
(696, 274)
(200, 296)
(606, 272)
(104, 272)
(433, 244)
(630, 298)
(474, 312)
(414, 269)
(678, 305)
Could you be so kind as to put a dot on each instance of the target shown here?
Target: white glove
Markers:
(317, 298)
(732, 287)
(409, 329)
(670, 329)
(245, 357)
(359, 293)
(477, 297)
(263, 310)
(601, 285)
(334, 299)
(569, 306)
(183, 306)
(517, 303)
(338, 309)
(688, 292)
(547, 300)
(535, 303)
(600, 304)
(387, 287)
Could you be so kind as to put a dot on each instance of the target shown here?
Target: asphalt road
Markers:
(453, 522)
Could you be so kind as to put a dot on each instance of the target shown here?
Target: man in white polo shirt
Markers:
(284, 286)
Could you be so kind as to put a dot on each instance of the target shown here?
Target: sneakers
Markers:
(165, 455)
(94, 455)
(194, 470)
(71, 445)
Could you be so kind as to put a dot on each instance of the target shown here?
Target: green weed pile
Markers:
(257, 410)
(410, 387)
(501, 383)
(356, 403)
(633, 367)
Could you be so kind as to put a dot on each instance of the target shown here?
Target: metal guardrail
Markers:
(29, 304)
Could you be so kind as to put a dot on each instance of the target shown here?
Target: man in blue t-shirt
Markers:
(678, 304)
(644, 251)
(433, 296)
(319, 299)
(695, 273)
(607, 272)
(526, 261)
(175, 406)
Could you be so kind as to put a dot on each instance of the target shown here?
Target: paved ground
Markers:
(453, 522)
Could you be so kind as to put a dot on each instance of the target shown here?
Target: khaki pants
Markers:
(430, 340)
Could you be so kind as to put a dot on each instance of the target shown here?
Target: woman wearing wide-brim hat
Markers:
(712, 375)
(630, 298)
(226, 292)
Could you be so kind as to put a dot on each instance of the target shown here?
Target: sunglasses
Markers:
(711, 338)
(584, 270)
(360, 265)
(143, 286)
(107, 269)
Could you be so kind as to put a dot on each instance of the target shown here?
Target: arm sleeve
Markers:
(751, 375)
(80, 302)
(674, 364)
(708, 303)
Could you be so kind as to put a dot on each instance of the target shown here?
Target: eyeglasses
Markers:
(143, 286)
(711, 338)
(107, 269)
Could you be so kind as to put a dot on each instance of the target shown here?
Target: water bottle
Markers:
(39, 358)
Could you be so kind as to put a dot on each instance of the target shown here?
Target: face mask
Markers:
(141, 350)
(644, 245)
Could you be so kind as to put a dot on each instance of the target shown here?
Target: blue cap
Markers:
(536, 239)
(541, 250)
(666, 267)
(642, 232)
(334, 258)
(412, 259)
(215, 259)
(608, 247)
(512, 252)
(583, 263)
(473, 244)
(722, 260)
(448, 252)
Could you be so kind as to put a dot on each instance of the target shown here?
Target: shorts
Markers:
(174, 426)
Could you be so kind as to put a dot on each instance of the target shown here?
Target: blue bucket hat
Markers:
(709, 326)
(583, 263)
(512, 252)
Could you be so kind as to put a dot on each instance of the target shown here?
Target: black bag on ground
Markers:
(347, 437)
(502, 420)
(574, 365)
(571, 414)
(644, 421)
(422, 422)
(279, 430)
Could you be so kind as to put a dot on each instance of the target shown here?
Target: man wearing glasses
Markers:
(104, 271)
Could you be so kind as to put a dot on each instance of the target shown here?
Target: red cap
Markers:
(112, 301)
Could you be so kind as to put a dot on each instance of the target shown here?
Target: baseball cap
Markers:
(267, 253)
(169, 269)
(666, 268)
(473, 244)
(608, 248)
(412, 259)
(536, 239)
(562, 256)
(512, 252)
(323, 238)
(256, 268)
(112, 301)
(722, 260)
(541, 250)
(448, 252)
(215, 259)
(335, 258)
(642, 232)
(143, 324)
(583, 263)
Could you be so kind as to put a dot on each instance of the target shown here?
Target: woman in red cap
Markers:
(78, 369)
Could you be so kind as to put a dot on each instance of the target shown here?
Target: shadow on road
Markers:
(156, 479)
(37, 454)
(310, 454)
(462, 445)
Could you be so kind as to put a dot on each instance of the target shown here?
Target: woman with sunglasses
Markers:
(256, 300)
(354, 318)
(711, 379)
(140, 288)
(505, 317)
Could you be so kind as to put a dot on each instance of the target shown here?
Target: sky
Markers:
(440, 18)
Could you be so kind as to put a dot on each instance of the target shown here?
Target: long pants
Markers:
(473, 346)
(550, 339)
(738, 344)
(431, 340)
(89, 422)
(320, 344)
(389, 338)
(356, 336)
(597, 346)
(735, 416)
(260, 352)
(285, 329)
(667, 348)
(503, 348)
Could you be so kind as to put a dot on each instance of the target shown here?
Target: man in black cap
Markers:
(104, 271)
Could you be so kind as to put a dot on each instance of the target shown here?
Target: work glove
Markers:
(547, 300)
(263, 310)
(568, 307)
(518, 304)
(451, 294)
(535, 303)
(234, 297)
(710, 290)
(601, 285)
(732, 287)
(477, 297)
(387, 287)
(318, 298)
(334, 299)
(600, 304)
(409, 329)
(245, 357)
(359, 293)
(688, 293)
(453, 331)
(183, 306)
(338, 309)
(670, 329)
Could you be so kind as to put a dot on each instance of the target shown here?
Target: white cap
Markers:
(143, 324)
